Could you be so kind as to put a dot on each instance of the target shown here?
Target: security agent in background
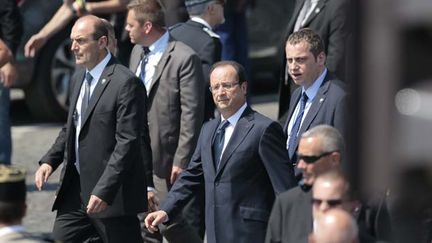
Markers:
(198, 34)
(13, 206)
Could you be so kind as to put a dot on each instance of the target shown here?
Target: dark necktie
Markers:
(86, 96)
(144, 60)
(219, 142)
(295, 128)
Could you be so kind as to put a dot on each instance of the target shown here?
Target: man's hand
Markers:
(33, 45)
(8, 74)
(154, 219)
(42, 175)
(96, 205)
(153, 201)
(175, 172)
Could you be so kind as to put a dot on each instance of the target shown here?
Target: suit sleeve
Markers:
(192, 109)
(145, 144)
(337, 37)
(129, 123)
(274, 226)
(275, 158)
(190, 182)
(340, 116)
(54, 156)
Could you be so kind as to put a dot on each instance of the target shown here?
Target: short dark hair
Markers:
(241, 73)
(148, 10)
(100, 30)
(316, 45)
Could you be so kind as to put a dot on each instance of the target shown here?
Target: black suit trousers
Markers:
(72, 224)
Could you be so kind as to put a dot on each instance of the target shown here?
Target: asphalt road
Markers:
(31, 139)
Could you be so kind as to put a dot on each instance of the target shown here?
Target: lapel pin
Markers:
(321, 100)
(103, 81)
(317, 10)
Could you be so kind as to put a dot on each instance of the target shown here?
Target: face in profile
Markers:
(85, 47)
(134, 28)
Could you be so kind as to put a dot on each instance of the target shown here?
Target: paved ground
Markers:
(31, 140)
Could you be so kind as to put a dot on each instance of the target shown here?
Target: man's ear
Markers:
(103, 42)
(147, 27)
(321, 58)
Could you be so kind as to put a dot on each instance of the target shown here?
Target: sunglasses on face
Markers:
(311, 159)
(331, 202)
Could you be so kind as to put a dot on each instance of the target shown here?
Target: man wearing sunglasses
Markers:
(320, 150)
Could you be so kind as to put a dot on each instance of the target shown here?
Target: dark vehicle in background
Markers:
(45, 78)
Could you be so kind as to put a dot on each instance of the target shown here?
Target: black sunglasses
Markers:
(311, 159)
(331, 202)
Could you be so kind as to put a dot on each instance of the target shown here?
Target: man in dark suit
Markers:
(198, 33)
(320, 150)
(172, 74)
(328, 18)
(320, 99)
(241, 161)
(104, 143)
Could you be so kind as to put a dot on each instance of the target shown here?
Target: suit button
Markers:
(217, 183)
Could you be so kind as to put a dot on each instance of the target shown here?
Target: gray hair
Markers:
(331, 139)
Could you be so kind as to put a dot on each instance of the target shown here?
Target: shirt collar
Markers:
(236, 116)
(160, 44)
(201, 21)
(11, 229)
(96, 72)
(313, 89)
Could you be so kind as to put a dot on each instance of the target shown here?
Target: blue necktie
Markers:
(144, 60)
(295, 128)
(86, 96)
(219, 142)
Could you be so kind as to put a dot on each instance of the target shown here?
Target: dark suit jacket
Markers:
(113, 136)
(329, 20)
(175, 106)
(253, 169)
(328, 107)
(291, 217)
(208, 48)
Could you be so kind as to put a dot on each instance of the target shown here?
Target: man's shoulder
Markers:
(293, 195)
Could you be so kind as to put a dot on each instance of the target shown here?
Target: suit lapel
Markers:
(296, 13)
(318, 8)
(241, 129)
(316, 105)
(135, 58)
(293, 104)
(99, 89)
(208, 150)
(162, 63)
(76, 91)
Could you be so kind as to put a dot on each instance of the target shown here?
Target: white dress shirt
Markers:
(96, 73)
(232, 123)
(156, 51)
(311, 92)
